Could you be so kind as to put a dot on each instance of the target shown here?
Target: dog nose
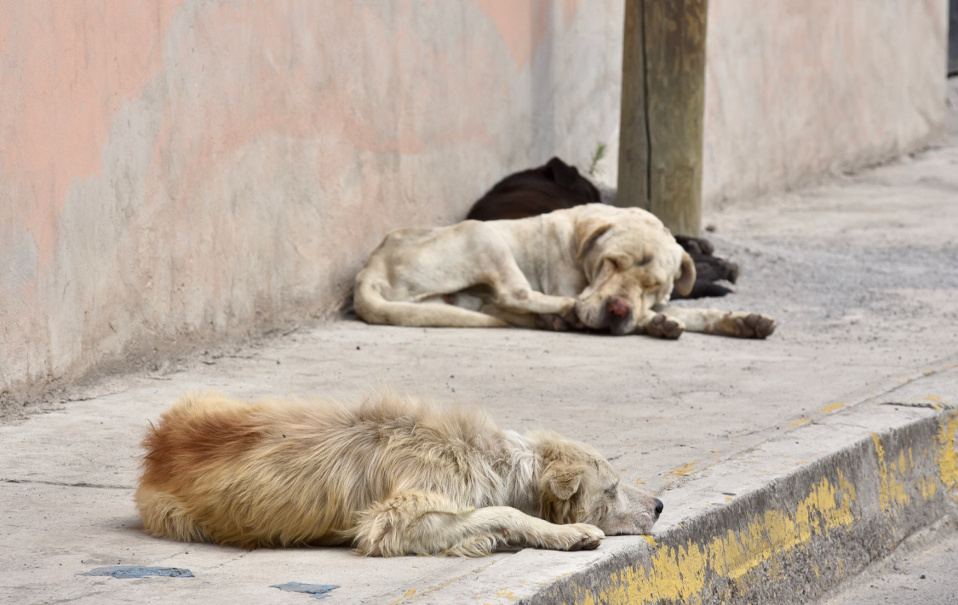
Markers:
(658, 507)
(617, 307)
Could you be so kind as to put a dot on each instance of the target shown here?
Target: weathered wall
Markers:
(181, 171)
(795, 88)
(175, 171)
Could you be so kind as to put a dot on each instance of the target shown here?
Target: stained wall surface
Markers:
(182, 172)
(797, 88)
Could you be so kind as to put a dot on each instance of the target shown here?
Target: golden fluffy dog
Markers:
(596, 266)
(391, 477)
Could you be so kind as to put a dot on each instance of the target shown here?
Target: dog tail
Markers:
(374, 308)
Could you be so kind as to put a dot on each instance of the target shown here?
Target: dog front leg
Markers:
(428, 523)
(512, 294)
(548, 321)
(725, 323)
(531, 309)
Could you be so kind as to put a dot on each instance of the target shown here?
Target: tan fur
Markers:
(391, 477)
(593, 266)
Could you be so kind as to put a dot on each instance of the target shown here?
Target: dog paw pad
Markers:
(754, 325)
(662, 326)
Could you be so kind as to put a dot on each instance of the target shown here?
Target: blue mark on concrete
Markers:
(139, 571)
(317, 591)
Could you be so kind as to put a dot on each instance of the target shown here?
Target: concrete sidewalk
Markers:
(785, 465)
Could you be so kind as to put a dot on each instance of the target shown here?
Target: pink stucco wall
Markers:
(176, 172)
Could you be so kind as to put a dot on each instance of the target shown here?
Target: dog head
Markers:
(631, 262)
(578, 485)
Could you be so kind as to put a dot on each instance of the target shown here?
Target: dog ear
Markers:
(683, 285)
(561, 173)
(587, 231)
(563, 479)
(559, 501)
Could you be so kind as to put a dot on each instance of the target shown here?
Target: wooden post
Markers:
(663, 105)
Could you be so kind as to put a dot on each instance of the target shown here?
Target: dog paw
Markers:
(559, 323)
(572, 319)
(663, 326)
(759, 326)
(731, 271)
(552, 322)
(582, 536)
(748, 325)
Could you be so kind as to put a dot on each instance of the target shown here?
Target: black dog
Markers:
(558, 185)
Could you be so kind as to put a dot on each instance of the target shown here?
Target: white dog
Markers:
(393, 477)
(593, 265)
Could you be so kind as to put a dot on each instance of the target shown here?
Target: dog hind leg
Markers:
(428, 523)
(164, 516)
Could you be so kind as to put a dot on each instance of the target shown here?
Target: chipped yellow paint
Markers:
(408, 594)
(891, 490)
(903, 466)
(685, 469)
(799, 422)
(679, 573)
(828, 409)
(947, 456)
(932, 398)
(425, 591)
(927, 487)
(505, 593)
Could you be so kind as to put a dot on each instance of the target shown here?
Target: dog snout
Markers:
(618, 315)
(618, 307)
(659, 507)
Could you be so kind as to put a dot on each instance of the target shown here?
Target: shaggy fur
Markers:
(391, 477)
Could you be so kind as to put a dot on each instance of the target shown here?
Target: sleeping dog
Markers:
(391, 477)
(593, 266)
(558, 185)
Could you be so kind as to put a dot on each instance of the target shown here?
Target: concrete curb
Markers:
(800, 534)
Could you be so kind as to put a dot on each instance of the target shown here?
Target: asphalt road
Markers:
(925, 576)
